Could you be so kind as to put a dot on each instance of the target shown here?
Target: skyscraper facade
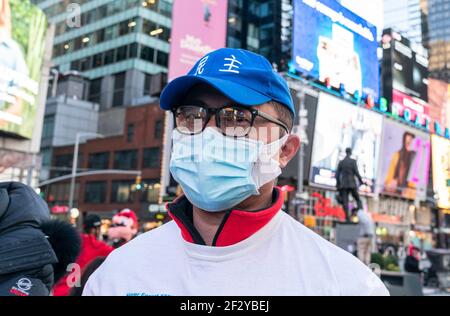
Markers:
(116, 44)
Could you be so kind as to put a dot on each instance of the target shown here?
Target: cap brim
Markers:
(241, 94)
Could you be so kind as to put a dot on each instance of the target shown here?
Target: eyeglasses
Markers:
(234, 121)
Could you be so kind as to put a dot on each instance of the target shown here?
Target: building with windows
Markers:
(136, 148)
(116, 44)
(406, 17)
(261, 26)
(427, 23)
(67, 112)
(438, 41)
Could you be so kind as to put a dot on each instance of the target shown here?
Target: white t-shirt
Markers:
(282, 258)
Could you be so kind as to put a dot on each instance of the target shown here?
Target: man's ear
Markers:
(289, 150)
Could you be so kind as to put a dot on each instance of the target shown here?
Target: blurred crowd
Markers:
(42, 256)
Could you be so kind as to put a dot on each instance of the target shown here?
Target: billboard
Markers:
(198, 27)
(439, 102)
(441, 170)
(405, 79)
(340, 125)
(406, 159)
(409, 68)
(332, 42)
(22, 34)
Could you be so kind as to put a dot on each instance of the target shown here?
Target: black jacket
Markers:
(346, 174)
(26, 256)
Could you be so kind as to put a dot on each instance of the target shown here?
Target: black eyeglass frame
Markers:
(214, 111)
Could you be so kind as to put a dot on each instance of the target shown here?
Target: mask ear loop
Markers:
(268, 168)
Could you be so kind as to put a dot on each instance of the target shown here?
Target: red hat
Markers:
(130, 214)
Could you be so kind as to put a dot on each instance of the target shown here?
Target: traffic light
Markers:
(138, 186)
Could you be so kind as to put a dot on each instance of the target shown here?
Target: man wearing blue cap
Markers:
(233, 116)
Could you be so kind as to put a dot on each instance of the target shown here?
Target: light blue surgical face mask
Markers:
(217, 172)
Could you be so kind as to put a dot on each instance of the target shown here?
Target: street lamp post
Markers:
(75, 164)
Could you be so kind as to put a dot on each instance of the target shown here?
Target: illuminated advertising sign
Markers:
(198, 27)
(441, 170)
(410, 109)
(341, 125)
(406, 159)
(439, 104)
(406, 84)
(334, 45)
(22, 34)
(409, 68)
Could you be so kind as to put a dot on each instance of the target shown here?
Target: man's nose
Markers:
(212, 121)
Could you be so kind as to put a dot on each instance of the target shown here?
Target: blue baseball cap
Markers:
(244, 77)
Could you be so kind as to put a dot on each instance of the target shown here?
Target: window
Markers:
(133, 52)
(64, 160)
(85, 64)
(125, 160)
(91, 16)
(98, 161)
(162, 59)
(119, 87)
(148, 27)
(75, 65)
(165, 8)
(110, 32)
(158, 129)
(147, 83)
(121, 53)
(109, 57)
(121, 192)
(126, 27)
(148, 54)
(77, 44)
(100, 35)
(130, 132)
(49, 126)
(95, 90)
(46, 158)
(151, 158)
(151, 193)
(95, 192)
(101, 11)
(115, 7)
(97, 60)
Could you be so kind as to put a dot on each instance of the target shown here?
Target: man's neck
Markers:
(207, 223)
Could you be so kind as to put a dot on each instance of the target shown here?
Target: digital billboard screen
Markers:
(332, 42)
(406, 159)
(22, 36)
(441, 170)
(409, 68)
(198, 28)
(341, 125)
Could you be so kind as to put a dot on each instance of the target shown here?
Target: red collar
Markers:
(236, 225)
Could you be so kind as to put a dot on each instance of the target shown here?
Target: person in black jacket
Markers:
(346, 175)
(34, 250)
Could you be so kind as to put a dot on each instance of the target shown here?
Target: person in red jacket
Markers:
(91, 248)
